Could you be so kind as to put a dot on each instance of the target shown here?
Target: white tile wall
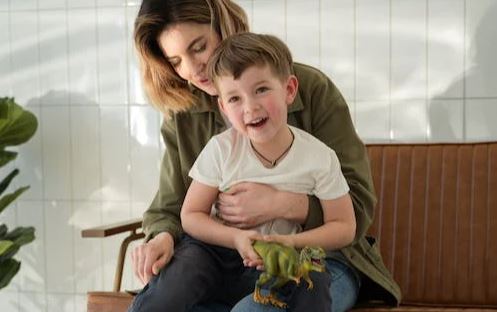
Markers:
(32, 302)
(4, 53)
(338, 44)
(412, 71)
(372, 50)
(4, 5)
(408, 49)
(24, 56)
(481, 47)
(302, 25)
(445, 48)
(83, 56)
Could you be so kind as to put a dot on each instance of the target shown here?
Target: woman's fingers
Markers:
(150, 257)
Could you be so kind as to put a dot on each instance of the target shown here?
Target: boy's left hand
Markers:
(282, 239)
(243, 244)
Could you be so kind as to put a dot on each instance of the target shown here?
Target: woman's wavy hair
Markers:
(165, 89)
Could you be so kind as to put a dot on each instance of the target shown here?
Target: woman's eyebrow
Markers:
(190, 46)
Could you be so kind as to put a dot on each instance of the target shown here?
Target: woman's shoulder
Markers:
(309, 142)
(309, 74)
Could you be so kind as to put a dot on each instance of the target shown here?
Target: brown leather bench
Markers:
(435, 223)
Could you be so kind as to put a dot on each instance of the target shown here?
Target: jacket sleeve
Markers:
(163, 215)
(332, 124)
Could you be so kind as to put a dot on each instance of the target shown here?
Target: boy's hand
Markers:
(282, 239)
(243, 244)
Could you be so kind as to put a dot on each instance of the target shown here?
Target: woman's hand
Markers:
(248, 204)
(243, 243)
(150, 257)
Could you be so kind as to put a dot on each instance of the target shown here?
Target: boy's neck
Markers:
(272, 152)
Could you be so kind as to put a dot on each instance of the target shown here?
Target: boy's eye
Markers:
(233, 99)
(261, 90)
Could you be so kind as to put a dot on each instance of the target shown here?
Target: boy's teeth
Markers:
(256, 121)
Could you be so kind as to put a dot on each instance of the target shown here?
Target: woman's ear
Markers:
(292, 86)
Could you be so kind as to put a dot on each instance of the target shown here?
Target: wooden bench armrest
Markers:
(113, 229)
(116, 228)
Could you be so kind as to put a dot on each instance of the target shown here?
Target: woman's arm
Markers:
(161, 222)
(338, 230)
(332, 124)
(163, 214)
(245, 204)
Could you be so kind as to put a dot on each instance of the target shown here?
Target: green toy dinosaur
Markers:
(283, 264)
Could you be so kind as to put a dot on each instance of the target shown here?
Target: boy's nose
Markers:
(251, 105)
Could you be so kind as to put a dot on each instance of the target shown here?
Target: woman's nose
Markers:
(193, 68)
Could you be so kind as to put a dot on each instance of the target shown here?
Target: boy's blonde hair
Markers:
(240, 51)
(166, 90)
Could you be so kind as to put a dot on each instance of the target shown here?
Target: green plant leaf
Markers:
(21, 235)
(4, 246)
(6, 157)
(6, 181)
(3, 230)
(8, 269)
(9, 253)
(8, 198)
(16, 124)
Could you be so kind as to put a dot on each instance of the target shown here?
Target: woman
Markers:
(174, 39)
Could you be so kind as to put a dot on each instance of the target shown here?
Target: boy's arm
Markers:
(196, 220)
(337, 231)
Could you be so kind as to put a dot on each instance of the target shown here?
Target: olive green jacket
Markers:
(319, 109)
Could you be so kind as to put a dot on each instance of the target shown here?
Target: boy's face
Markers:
(256, 103)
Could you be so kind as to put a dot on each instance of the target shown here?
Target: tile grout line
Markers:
(101, 209)
(71, 157)
(427, 68)
(390, 112)
(464, 106)
(44, 198)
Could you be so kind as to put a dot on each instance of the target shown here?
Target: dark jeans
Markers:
(197, 273)
(203, 277)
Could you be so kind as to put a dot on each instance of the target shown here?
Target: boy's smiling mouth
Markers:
(258, 122)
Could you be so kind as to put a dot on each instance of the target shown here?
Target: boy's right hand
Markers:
(243, 244)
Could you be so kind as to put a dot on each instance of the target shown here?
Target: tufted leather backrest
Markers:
(436, 220)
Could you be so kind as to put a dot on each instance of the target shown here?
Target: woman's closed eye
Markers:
(174, 62)
(200, 47)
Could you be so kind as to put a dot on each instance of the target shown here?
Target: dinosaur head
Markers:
(313, 259)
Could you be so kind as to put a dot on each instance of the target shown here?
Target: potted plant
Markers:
(16, 127)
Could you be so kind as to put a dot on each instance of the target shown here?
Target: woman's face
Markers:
(187, 47)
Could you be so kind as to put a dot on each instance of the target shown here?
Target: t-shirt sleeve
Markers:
(331, 183)
(207, 166)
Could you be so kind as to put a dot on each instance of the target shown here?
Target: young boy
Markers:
(252, 74)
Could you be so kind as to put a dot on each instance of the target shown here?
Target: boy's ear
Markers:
(221, 104)
(292, 86)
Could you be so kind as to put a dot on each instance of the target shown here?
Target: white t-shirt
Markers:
(310, 167)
